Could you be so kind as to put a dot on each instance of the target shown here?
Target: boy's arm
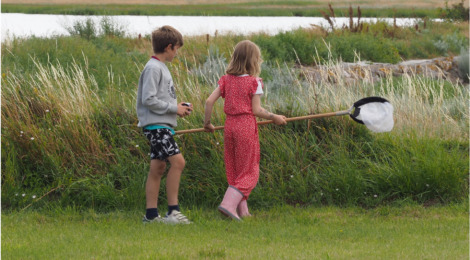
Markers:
(208, 109)
(263, 113)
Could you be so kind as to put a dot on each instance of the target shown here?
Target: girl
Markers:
(241, 89)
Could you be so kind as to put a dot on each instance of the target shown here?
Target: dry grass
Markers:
(313, 4)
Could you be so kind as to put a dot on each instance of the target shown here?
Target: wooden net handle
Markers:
(340, 113)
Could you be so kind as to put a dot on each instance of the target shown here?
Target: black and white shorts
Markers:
(162, 144)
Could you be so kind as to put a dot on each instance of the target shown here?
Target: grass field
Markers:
(278, 3)
(369, 8)
(405, 232)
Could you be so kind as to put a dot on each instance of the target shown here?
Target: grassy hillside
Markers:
(69, 134)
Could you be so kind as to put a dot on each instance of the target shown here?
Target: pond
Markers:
(39, 25)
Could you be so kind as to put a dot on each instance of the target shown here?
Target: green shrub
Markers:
(463, 64)
(457, 12)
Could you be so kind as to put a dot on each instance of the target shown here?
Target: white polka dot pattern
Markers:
(241, 141)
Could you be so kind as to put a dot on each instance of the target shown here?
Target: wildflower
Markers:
(427, 185)
(32, 138)
(47, 110)
(34, 196)
(365, 192)
(321, 193)
(217, 143)
(292, 176)
(375, 195)
(49, 129)
(136, 146)
(337, 189)
(21, 132)
(23, 194)
(16, 194)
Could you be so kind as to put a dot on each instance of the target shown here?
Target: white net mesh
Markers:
(377, 116)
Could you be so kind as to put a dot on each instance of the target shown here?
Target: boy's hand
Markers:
(209, 128)
(184, 109)
(280, 120)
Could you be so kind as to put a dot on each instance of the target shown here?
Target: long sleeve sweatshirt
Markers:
(156, 97)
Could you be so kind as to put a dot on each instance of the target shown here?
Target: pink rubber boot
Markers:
(228, 207)
(242, 209)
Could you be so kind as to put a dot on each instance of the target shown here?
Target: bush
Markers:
(463, 64)
(457, 12)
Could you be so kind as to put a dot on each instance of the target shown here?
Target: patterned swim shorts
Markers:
(162, 144)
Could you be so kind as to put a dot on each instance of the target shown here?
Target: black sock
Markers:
(151, 213)
(173, 207)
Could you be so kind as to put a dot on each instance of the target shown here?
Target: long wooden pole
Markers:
(340, 113)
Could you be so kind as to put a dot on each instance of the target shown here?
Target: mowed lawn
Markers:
(405, 232)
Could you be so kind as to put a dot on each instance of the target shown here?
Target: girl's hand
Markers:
(209, 128)
(184, 109)
(280, 120)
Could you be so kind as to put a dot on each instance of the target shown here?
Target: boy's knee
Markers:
(157, 168)
(179, 163)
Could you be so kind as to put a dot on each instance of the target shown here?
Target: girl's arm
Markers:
(263, 113)
(208, 127)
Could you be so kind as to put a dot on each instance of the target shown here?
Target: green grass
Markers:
(403, 232)
(69, 132)
(285, 8)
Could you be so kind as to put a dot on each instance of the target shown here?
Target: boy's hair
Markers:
(246, 59)
(164, 36)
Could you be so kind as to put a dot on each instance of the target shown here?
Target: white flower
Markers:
(375, 195)
(365, 192)
(136, 145)
(337, 189)
(34, 196)
(47, 110)
(16, 194)
(427, 185)
(21, 132)
(292, 176)
(321, 193)
(32, 138)
(23, 194)
(49, 129)
(217, 143)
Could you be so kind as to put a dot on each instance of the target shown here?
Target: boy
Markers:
(156, 110)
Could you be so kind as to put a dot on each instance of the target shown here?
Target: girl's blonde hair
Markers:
(246, 59)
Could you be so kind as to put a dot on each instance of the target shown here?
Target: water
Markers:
(41, 25)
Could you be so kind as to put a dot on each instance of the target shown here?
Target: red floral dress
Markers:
(241, 141)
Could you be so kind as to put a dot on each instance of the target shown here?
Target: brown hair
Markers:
(164, 36)
(246, 59)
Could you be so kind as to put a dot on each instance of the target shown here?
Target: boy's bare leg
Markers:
(173, 178)
(152, 187)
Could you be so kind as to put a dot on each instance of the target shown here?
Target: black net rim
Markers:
(361, 102)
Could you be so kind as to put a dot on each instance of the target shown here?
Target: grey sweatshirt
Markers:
(156, 97)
